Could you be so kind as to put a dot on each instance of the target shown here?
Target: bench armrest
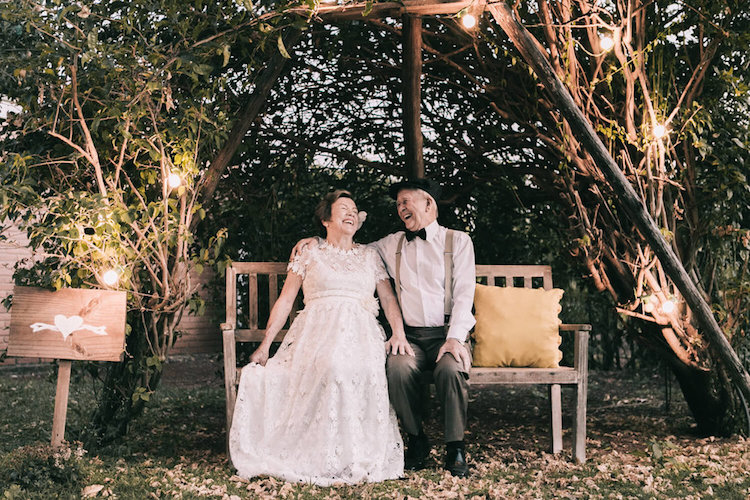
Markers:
(574, 327)
(581, 344)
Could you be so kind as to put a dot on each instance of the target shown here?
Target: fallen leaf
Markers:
(92, 490)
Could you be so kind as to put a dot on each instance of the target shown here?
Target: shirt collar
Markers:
(432, 230)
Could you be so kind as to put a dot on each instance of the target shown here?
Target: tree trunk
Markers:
(263, 85)
(126, 388)
(716, 404)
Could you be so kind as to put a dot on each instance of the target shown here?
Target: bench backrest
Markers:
(253, 287)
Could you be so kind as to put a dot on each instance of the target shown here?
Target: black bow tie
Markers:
(410, 235)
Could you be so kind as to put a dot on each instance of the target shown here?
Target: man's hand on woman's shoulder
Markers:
(301, 244)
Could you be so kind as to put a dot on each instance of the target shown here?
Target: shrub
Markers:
(36, 469)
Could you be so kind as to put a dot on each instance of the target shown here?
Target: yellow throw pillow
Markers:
(517, 327)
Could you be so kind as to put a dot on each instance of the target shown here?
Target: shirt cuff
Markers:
(458, 336)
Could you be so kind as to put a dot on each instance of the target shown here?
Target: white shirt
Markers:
(422, 276)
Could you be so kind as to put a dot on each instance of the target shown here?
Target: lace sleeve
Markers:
(380, 272)
(298, 265)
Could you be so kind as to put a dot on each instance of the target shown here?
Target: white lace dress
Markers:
(318, 412)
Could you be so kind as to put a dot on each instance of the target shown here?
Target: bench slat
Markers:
(252, 293)
(246, 335)
(562, 375)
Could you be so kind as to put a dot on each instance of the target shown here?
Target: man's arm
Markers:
(397, 344)
(386, 247)
(464, 283)
(301, 244)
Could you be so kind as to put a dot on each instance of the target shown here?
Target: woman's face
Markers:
(343, 218)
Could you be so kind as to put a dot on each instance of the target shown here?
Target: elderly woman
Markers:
(318, 410)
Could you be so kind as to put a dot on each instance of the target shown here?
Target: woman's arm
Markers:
(279, 313)
(397, 344)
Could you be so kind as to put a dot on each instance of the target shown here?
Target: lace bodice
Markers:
(328, 271)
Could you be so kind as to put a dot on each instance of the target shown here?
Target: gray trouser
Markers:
(406, 389)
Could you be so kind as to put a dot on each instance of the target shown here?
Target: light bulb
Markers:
(668, 307)
(469, 21)
(660, 131)
(110, 277)
(174, 180)
(607, 43)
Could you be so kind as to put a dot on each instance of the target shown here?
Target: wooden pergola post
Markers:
(627, 198)
(412, 94)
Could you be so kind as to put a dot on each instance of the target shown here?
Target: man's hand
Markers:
(457, 350)
(300, 245)
(260, 356)
(398, 345)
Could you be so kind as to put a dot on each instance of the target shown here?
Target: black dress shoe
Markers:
(417, 452)
(455, 463)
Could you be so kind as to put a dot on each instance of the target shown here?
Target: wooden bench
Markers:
(253, 287)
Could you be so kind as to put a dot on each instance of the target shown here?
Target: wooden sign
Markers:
(69, 324)
(75, 324)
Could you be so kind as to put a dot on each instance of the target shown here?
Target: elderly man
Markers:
(433, 270)
(434, 274)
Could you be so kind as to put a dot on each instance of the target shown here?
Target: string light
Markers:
(469, 21)
(607, 43)
(659, 131)
(174, 180)
(668, 306)
(110, 277)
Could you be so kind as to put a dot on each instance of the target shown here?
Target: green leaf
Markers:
(225, 52)
(282, 49)
(203, 69)
(656, 451)
(368, 8)
(92, 40)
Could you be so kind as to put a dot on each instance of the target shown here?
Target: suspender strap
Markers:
(448, 260)
(397, 278)
(448, 257)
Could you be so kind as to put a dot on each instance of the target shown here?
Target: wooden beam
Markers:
(384, 9)
(627, 197)
(412, 95)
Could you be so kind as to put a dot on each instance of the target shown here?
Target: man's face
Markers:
(413, 209)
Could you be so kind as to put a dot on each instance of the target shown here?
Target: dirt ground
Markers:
(192, 371)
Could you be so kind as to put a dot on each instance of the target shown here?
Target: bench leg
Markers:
(556, 412)
(230, 379)
(579, 436)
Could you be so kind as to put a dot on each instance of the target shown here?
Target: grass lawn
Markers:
(636, 449)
